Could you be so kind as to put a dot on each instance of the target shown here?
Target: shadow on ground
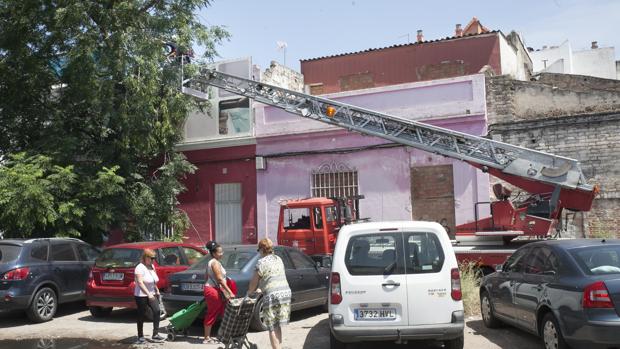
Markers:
(505, 337)
(61, 343)
(318, 337)
(19, 318)
(122, 315)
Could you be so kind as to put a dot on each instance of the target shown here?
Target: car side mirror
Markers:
(499, 268)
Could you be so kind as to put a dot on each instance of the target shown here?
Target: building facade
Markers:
(563, 59)
(303, 158)
(471, 50)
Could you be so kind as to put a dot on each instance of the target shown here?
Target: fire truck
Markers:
(553, 183)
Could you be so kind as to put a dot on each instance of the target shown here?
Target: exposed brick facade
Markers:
(572, 116)
(432, 195)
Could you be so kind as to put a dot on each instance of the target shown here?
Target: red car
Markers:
(111, 280)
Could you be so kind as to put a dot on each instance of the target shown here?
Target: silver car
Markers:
(565, 291)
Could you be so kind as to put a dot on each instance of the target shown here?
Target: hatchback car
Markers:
(307, 280)
(38, 274)
(111, 281)
(395, 281)
(566, 291)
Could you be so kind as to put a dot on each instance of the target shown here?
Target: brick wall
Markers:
(432, 195)
(582, 129)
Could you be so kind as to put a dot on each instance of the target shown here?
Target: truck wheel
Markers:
(335, 343)
(456, 343)
(257, 319)
(488, 314)
(100, 311)
(44, 305)
(551, 333)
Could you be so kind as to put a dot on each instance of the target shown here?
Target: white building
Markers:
(596, 61)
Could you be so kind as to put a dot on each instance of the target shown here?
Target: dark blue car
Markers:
(38, 274)
(308, 281)
(565, 291)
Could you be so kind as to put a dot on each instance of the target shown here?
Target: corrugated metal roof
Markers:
(493, 32)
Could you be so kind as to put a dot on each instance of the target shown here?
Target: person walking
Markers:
(147, 294)
(216, 291)
(270, 277)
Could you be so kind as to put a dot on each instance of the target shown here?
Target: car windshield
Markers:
(234, 259)
(8, 253)
(119, 258)
(598, 260)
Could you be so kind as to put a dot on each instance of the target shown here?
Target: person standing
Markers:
(216, 291)
(270, 276)
(147, 294)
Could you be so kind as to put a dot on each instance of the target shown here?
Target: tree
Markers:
(87, 91)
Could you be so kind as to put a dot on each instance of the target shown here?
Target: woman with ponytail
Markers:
(216, 291)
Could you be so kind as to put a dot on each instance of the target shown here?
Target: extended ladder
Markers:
(518, 161)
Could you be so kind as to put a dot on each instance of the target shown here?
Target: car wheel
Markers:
(100, 311)
(551, 333)
(44, 305)
(488, 314)
(335, 343)
(456, 343)
(257, 319)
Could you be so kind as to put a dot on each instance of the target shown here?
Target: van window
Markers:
(424, 253)
(297, 218)
(374, 254)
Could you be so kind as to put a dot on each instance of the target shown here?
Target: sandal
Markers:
(211, 340)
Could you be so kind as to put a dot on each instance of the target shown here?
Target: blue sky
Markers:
(316, 28)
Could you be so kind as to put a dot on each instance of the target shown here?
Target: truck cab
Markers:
(312, 224)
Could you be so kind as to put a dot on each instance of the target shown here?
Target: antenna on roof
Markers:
(282, 47)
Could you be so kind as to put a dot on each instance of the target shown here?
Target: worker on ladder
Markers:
(173, 53)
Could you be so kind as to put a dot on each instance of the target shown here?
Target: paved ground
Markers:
(75, 328)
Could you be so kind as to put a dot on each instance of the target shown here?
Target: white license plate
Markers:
(378, 314)
(113, 276)
(192, 287)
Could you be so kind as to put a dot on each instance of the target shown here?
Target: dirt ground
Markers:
(75, 328)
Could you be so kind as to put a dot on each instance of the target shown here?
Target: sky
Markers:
(316, 28)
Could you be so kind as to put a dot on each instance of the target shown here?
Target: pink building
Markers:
(300, 158)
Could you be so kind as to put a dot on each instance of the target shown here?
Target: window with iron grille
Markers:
(335, 180)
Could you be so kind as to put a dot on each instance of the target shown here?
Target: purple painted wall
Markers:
(384, 173)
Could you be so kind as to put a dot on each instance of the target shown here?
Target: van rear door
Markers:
(428, 267)
(374, 292)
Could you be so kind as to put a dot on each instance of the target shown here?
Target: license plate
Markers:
(113, 276)
(378, 314)
(192, 287)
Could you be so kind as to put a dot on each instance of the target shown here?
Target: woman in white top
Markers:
(216, 290)
(147, 294)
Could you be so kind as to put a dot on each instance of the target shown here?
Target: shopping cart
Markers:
(234, 327)
(183, 319)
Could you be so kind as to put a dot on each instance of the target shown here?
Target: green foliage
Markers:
(90, 107)
(470, 286)
(38, 198)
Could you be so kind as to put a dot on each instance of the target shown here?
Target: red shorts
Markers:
(215, 305)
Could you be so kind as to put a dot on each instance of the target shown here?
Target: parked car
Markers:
(395, 281)
(111, 281)
(565, 291)
(308, 280)
(37, 275)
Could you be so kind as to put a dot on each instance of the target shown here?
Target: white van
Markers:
(395, 281)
